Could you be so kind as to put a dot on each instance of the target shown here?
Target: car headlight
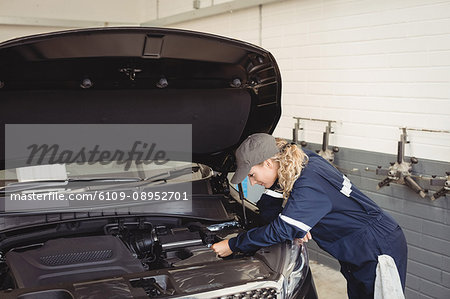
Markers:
(295, 269)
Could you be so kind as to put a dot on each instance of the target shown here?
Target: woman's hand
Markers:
(222, 248)
(305, 239)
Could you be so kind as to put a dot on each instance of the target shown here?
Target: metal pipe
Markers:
(426, 130)
(401, 147)
(185, 243)
(413, 185)
(315, 119)
(295, 131)
(241, 197)
(326, 136)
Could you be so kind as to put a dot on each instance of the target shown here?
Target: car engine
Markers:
(125, 248)
(71, 259)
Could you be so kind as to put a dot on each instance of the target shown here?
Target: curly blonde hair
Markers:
(292, 160)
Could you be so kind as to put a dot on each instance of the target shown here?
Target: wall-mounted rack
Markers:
(325, 152)
(400, 171)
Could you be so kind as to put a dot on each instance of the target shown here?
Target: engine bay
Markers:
(101, 255)
(157, 259)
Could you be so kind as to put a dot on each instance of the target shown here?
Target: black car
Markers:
(76, 81)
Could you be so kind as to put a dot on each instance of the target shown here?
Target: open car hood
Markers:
(227, 89)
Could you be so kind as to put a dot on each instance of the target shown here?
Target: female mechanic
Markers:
(321, 200)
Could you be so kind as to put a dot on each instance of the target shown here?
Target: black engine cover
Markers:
(72, 260)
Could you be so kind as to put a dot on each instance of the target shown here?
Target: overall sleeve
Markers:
(305, 207)
(269, 205)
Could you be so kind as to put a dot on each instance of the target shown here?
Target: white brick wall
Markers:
(242, 24)
(107, 10)
(373, 66)
(57, 11)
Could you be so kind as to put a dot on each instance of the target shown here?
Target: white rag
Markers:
(387, 280)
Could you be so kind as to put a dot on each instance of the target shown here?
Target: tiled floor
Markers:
(329, 282)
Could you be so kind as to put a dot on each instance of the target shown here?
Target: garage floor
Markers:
(329, 282)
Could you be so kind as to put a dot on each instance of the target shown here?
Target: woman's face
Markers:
(264, 174)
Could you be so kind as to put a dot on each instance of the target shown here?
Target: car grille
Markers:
(264, 293)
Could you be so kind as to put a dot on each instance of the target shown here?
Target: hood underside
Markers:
(225, 88)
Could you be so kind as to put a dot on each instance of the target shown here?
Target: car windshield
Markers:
(100, 171)
(87, 187)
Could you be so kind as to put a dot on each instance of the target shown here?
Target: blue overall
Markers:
(342, 220)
